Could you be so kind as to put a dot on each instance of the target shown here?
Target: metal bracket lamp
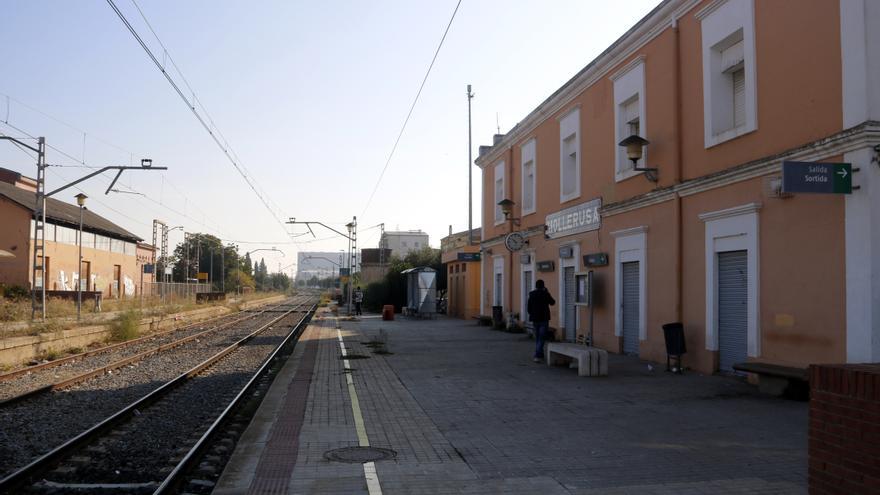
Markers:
(507, 209)
(634, 145)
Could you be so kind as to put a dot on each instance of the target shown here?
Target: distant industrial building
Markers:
(319, 264)
(403, 242)
(113, 258)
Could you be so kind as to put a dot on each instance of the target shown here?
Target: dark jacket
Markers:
(539, 304)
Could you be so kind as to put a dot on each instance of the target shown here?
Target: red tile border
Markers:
(277, 461)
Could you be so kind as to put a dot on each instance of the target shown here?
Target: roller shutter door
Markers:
(527, 287)
(569, 323)
(732, 309)
(630, 307)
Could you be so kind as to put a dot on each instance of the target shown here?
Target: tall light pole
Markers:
(81, 201)
(470, 96)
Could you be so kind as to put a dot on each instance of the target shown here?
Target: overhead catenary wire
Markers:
(411, 108)
(215, 136)
(108, 143)
(107, 181)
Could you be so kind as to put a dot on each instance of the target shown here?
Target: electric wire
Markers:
(107, 181)
(411, 108)
(215, 136)
(110, 144)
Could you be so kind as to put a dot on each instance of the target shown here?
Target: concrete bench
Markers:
(591, 361)
(778, 380)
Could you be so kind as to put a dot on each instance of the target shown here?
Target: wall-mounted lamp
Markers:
(634, 145)
(507, 209)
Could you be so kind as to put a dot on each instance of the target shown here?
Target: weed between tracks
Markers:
(125, 326)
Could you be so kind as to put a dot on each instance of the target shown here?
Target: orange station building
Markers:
(461, 259)
(113, 258)
(723, 92)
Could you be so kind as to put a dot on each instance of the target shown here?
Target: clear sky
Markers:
(310, 95)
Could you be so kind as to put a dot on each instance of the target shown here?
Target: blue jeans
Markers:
(541, 328)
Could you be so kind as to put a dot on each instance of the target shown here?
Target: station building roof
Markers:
(61, 213)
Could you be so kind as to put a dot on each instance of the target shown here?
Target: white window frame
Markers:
(524, 297)
(629, 83)
(527, 154)
(631, 245)
(570, 125)
(498, 268)
(720, 22)
(499, 176)
(733, 229)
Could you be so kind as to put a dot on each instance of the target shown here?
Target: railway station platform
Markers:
(446, 406)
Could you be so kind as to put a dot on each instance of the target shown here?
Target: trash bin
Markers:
(673, 333)
(388, 312)
(497, 317)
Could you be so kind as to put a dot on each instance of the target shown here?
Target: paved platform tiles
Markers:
(468, 412)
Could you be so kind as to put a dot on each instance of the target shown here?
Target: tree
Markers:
(237, 280)
(203, 253)
(247, 264)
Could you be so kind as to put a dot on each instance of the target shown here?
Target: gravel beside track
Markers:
(36, 425)
(147, 448)
(47, 376)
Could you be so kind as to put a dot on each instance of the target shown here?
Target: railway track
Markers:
(54, 375)
(33, 425)
(151, 444)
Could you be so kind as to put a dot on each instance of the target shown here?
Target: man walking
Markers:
(358, 300)
(539, 304)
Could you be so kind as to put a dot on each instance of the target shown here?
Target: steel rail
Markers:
(58, 362)
(16, 478)
(191, 457)
(125, 361)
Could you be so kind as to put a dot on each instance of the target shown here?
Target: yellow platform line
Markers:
(370, 474)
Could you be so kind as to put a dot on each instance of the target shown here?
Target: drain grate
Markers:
(359, 455)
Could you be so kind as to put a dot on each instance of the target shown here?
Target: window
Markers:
(729, 79)
(527, 152)
(569, 163)
(102, 243)
(499, 192)
(117, 246)
(417, 243)
(464, 267)
(629, 117)
(88, 240)
(65, 235)
(129, 248)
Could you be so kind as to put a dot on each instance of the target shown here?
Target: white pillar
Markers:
(860, 57)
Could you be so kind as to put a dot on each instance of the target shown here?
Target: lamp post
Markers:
(81, 201)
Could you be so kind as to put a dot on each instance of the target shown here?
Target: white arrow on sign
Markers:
(842, 173)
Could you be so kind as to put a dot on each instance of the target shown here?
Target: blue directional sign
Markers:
(815, 177)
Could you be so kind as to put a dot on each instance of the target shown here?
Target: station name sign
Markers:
(574, 220)
(814, 177)
(468, 256)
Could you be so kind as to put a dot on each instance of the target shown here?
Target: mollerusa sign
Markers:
(574, 220)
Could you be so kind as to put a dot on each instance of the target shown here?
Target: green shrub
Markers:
(14, 292)
(125, 326)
